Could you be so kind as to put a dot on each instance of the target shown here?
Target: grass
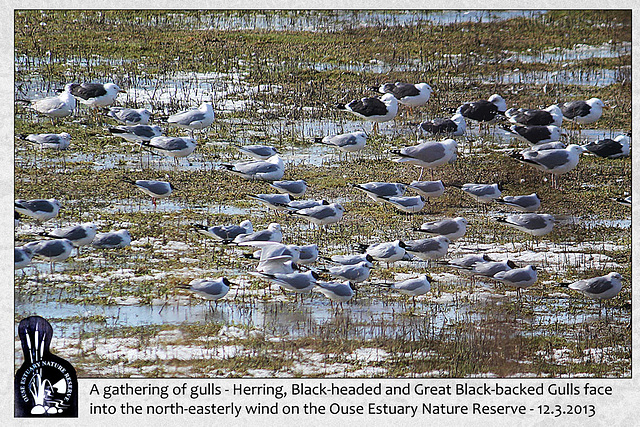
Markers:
(481, 332)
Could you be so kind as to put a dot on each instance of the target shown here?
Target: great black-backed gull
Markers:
(534, 134)
(411, 95)
(96, 94)
(610, 148)
(455, 126)
(483, 111)
(377, 110)
(583, 112)
(551, 115)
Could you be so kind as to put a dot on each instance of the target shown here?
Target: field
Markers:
(273, 78)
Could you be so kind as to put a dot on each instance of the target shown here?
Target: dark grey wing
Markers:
(51, 249)
(425, 245)
(482, 110)
(575, 109)
(441, 227)
(536, 118)
(319, 212)
(531, 222)
(604, 147)
(107, 240)
(75, 233)
(368, 107)
(38, 205)
(339, 290)
(143, 130)
(156, 187)
(401, 90)
(88, 90)
(212, 288)
(533, 134)
(253, 168)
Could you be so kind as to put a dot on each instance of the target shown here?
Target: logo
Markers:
(45, 385)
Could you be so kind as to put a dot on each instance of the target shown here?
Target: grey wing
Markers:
(321, 213)
(171, 144)
(39, 206)
(428, 153)
(213, 288)
(441, 227)
(187, 117)
(594, 286)
(426, 245)
(107, 240)
(550, 159)
(343, 140)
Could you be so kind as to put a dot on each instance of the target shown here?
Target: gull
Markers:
(354, 273)
(554, 161)
(295, 188)
(275, 251)
(39, 209)
(271, 169)
(296, 205)
(583, 112)
(600, 288)
(428, 154)
(130, 116)
(452, 228)
(21, 257)
(413, 287)
(257, 151)
(467, 262)
(336, 292)
(209, 289)
(136, 133)
(532, 223)
(273, 233)
(95, 94)
(155, 189)
(350, 259)
(547, 146)
(79, 235)
(347, 142)
(51, 250)
(276, 201)
(411, 95)
(171, 146)
(388, 252)
(51, 141)
(224, 232)
(112, 240)
(376, 110)
(610, 148)
(321, 215)
(482, 193)
(377, 190)
(277, 266)
(490, 268)
(534, 134)
(194, 119)
(625, 201)
(408, 204)
(301, 283)
(428, 249)
(551, 115)
(483, 110)
(527, 203)
(308, 254)
(520, 278)
(455, 126)
(428, 189)
(55, 107)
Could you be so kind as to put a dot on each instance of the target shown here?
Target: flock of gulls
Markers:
(298, 269)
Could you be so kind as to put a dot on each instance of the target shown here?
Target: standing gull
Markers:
(136, 133)
(428, 154)
(411, 95)
(428, 189)
(413, 287)
(554, 161)
(295, 188)
(336, 292)
(551, 115)
(407, 204)
(209, 289)
(112, 240)
(483, 110)
(534, 134)
(172, 146)
(21, 257)
(455, 126)
(610, 148)
(51, 250)
(257, 151)
(376, 110)
(428, 249)
(519, 278)
(194, 119)
(321, 215)
(452, 228)
(96, 94)
(378, 190)
(224, 232)
(388, 252)
(51, 141)
(273, 233)
(583, 112)
(79, 235)
(527, 203)
(354, 273)
(600, 288)
(155, 189)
